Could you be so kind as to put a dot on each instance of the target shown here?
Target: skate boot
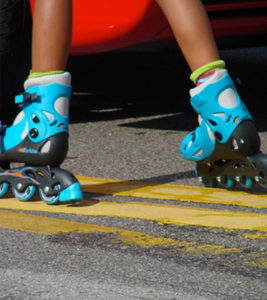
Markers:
(38, 138)
(226, 145)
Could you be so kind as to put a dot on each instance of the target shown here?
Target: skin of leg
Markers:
(191, 27)
(52, 34)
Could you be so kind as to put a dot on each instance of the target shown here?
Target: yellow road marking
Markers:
(257, 262)
(162, 213)
(48, 225)
(254, 236)
(172, 192)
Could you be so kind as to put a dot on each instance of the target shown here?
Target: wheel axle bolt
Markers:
(219, 178)
(19, 186)
(46, 189)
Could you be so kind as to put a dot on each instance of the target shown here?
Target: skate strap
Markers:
(25, 98)
(2, 128)
(2, 131)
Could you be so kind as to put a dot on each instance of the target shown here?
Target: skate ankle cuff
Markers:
(219, 105)
(50, 77)
(215, 65)
(218, 75)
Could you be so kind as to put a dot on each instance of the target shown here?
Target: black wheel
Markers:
(15, 45)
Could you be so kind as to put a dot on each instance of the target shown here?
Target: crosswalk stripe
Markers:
(172, 192)
(161, 213)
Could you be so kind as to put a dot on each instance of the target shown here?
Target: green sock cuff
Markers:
(215, 65)
(41, 74)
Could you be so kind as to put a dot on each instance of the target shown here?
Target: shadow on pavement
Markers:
(135, 84)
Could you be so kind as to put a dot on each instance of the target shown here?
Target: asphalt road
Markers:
(129, 113)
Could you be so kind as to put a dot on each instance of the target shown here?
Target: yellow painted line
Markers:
(254, 236)
(51, 226)
(161, 213)
(257, 260)
(172, 192)
(48, 225)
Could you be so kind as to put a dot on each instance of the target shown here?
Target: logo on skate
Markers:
(28, 150)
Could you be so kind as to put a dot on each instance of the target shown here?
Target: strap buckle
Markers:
(25, 98)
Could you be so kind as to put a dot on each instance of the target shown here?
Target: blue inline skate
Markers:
(226, 145)
(38, 138)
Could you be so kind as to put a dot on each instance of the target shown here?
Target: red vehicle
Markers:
(104, 25)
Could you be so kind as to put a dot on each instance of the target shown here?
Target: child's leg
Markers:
(52, 32)
(191, 27)
(226, 144)
(39, 135)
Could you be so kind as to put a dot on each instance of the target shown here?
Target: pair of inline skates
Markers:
(225, 145)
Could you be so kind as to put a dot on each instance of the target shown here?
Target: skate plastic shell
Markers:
(222, 121)
(37, 113)
(197, 144)
(73, 192)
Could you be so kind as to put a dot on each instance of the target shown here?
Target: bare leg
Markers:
(52, 33)
(191, 27)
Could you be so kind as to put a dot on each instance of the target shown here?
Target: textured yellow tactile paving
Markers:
(161, 213)
(172, 192)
